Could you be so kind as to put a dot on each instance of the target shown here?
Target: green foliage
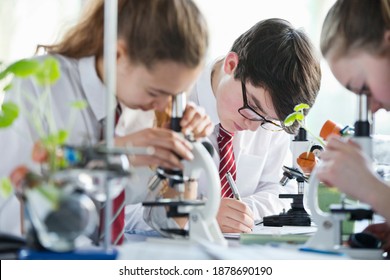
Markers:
(300, 107)
(299, 116)
(48, 72)
(7, 87)
(55, 139)
(22, 68)
(8, 114)
(296, 116)
(5, 187)
(45, 73)
(79, 104)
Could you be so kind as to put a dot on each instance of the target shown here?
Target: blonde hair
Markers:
(153, 30)
(162, 118)
(356, 24)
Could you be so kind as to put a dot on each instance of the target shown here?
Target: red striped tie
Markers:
(227, 162)
(118, 208)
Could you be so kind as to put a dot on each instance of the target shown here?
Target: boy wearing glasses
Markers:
(249, 92)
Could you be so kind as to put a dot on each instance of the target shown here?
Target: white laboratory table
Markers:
(151, 246)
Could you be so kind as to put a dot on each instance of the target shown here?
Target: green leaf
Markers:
(79, 104)
(300, 107)
(300, 116)
(7, 87)
(3, 74)
(296, 116)
(62, 136)
(5, 187)
(23, 68)
(9, 112)
(48, 72)
(56, 139)
(290, 119)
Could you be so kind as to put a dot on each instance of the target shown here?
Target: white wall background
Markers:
(26, 23)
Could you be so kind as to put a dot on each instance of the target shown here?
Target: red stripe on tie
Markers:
(227, 162)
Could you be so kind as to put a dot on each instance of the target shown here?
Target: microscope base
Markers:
(295, 218)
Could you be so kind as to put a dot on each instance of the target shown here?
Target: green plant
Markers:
(299, 116)
(44, 73)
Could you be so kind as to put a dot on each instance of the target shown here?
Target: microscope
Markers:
(329, 235)
(297, 215)
(201, 213)
(63, 206)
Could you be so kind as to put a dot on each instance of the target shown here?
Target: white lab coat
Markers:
(78, 81)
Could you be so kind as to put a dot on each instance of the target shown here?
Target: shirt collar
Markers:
(93, 87)
(206, 96)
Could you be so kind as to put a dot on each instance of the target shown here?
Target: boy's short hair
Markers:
(281, 59)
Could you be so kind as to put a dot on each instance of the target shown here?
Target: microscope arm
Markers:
(192, 169)
(203, 225)
(328, 233)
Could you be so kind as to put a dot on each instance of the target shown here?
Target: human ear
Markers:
(230, 63)
(387, 39)
(121, 51)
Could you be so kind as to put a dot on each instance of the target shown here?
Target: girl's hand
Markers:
(196, 121)
(169, 147)
(345, 166)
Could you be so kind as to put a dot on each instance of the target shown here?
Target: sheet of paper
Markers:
(275, 231)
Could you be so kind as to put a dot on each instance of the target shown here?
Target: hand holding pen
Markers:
(236, 210)
(236, 194)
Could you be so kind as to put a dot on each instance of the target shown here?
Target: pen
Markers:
(233, 186)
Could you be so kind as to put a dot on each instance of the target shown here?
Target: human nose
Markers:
(160, 105)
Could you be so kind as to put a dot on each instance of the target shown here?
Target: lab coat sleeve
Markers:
(134, 218)
(265, 200)
(137, 187)
(156, 217)
(136, 193)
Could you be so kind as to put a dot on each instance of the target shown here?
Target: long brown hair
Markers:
(153, 30)
(356, 24)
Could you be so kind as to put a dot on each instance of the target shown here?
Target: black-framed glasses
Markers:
(249, 113)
